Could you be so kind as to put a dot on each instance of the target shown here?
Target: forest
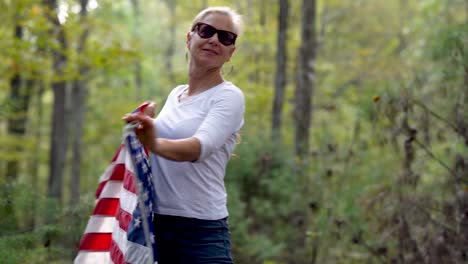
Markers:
(355, 142)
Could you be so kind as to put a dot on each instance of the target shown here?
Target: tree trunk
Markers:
(461, 173)
(15, 126)
(258, 50)
(263, 79)
(79, 92)
(248, 9)
(137, 64)
(204, 4)
(280, 77)
(20, 94)
(304, 90)
(408, 249)
(302, 114)
(34, 162)
(58, 141)
(461, 113)
(59, 113)
(263, 13)
(171, 4)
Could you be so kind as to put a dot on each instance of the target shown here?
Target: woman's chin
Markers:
(209, 63)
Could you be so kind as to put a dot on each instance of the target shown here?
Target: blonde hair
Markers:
(235, 17)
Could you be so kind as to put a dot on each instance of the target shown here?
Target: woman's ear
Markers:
(230, 53)
(189, 37)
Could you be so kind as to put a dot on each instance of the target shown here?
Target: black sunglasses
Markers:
(206, 31)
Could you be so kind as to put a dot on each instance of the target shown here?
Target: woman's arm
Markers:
(187, 149)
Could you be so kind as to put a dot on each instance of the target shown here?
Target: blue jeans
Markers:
(182, 240)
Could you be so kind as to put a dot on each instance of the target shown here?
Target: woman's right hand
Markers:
(150, 109)
(145, 130)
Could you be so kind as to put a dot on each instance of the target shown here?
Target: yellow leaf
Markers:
(36, 10)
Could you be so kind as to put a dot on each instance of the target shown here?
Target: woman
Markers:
(191, 141)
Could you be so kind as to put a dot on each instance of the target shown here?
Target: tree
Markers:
(305, 86)
(59, 136)
(171, 4)
(79, 92)
(137, 63)
(303, 115)
(280, 76)
(19, 98)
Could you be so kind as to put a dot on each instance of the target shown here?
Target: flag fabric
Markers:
(120, 229)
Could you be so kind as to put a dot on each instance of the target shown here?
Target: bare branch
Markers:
(432, 155)
(419, 103)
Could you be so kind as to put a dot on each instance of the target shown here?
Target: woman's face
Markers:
(210, 52)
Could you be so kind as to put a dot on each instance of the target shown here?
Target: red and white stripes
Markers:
(105, 236)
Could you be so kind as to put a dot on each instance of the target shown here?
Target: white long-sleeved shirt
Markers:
(196, 189)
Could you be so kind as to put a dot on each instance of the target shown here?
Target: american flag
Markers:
(120, 229)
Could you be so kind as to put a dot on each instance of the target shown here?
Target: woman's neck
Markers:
(202, 79)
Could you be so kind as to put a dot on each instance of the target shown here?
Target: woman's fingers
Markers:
(145, 116)
(128, 118)
(145, 123)
(150, 110)
(133, 117)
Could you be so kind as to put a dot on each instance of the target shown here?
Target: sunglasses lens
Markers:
(226, 38)
(206, 31)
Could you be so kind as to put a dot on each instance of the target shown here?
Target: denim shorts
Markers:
(182, 240)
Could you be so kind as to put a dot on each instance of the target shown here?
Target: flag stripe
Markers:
(124, 219)
(106, 176)
(117, 255)
(91, 257)
(136, 253)
(112, 189)
(118, 159)
(99, 189)
(100, 224)
(106, 206)
(119, 238)
(117, 153)
(96, 241)
(118, 173)
(128, 201)
(128, 182)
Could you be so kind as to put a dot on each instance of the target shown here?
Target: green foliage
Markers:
(260, 199)
(46, 243)
(21, 245)
(383, 68)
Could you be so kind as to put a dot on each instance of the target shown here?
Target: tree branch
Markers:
(435, 158)
(419, 103)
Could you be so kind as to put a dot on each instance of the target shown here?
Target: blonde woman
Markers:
(191, 141)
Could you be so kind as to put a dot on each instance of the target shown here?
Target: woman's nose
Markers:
(214, 39)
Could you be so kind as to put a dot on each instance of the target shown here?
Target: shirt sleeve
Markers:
(225, 117)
